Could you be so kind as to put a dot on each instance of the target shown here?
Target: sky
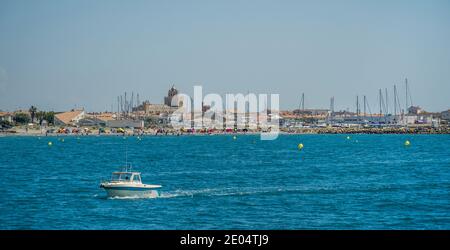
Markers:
(60, 54)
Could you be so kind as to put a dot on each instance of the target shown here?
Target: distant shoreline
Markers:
(305, 131)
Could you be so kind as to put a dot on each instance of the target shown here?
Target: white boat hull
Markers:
(132, 193)
(130, 190)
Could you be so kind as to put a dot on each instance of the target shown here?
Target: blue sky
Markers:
(64, 54)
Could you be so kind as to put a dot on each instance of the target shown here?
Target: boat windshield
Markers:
(137, 178)
(121, 177)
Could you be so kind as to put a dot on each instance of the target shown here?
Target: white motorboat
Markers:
(129, 184)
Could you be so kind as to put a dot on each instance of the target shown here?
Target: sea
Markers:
(226, 182)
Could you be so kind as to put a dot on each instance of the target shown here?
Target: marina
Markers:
(135, 118)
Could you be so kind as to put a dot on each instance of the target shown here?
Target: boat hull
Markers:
(131, 192)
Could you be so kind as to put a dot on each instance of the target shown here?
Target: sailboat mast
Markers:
(379, 97)
(365, 105)
(358, 108)
(303, 101)
(118, 107)
(406, 84)
(387, 101)
(395, 104)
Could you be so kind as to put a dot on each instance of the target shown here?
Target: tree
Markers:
(151, 120)
(21, 118)
(40, 116)
(49, 117)
(32, 111)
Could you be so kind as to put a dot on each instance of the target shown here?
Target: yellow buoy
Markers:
(50, 143)
(300, 146)
(407, 143)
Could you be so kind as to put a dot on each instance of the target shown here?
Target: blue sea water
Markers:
(216, 182)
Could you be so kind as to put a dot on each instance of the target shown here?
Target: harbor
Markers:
(133, 117)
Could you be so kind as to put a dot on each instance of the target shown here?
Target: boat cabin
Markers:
(126, 177)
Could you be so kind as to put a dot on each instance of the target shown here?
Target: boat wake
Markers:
(245, 191)
(149, 196)
(219, 192)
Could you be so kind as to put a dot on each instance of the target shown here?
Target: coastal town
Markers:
(133, 117)
(224, 124)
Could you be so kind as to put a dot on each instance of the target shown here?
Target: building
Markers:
(302, 117)
(91, 121)
(6, 116)
(156, 109)
(70, 118)
(172, 102)
(125, 124)
(423, 119)
(415, 110)
(96, 119)
(171, 94)
(312, 112)
(445, 115)
(104, 116)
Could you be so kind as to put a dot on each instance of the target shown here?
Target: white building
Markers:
(5, 116)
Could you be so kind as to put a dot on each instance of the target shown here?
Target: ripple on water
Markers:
(213, 182)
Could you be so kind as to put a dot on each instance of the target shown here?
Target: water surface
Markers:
(216, 182)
